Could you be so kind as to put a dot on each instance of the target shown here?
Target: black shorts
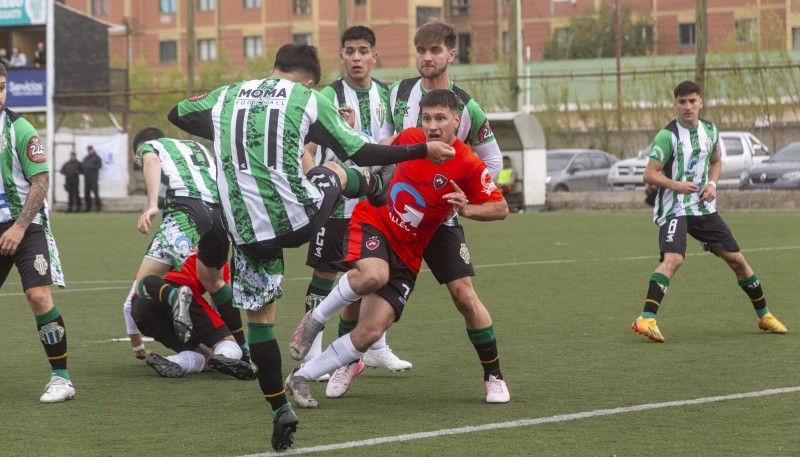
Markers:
(447, 255)
(326, 249)
(365, 241)
(154, 319)
(32, 258)
(710, 230)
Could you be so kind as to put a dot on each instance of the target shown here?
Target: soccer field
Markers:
(562, 288)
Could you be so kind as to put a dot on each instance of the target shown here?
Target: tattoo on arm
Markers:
(33, 204)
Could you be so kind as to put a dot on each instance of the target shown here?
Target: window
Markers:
(686, 34)
(733, 147)
(168, 51)
(301, 7)
(746, 30)
(423, 14)
(206, 5)
(253, 46)
(252, 4)
(301, 38)
(463, 48)
(99, 8)
(582, 162)
(459, 7)
(645, 33)
(207, 49)
(168, 6)
(600, 161)
(506, 42)
(360, 2)
(796, 38)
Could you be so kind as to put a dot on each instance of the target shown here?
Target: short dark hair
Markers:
(359, 32)
(435, 31)
(445, 98)
(3, 71)
(685, 88)
(146, 134)
(299, 57)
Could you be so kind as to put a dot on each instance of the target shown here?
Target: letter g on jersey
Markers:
(402, 204)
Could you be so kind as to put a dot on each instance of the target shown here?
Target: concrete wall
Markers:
(727, 200)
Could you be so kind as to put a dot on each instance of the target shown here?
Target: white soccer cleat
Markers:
(496, 390)
(57, 390)
(385, 358)
(340, 381)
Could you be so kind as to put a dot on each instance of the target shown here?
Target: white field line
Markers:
(526, 422)
(488, 265)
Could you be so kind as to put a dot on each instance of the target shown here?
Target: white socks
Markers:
(341, 296)
(190, 361)
(228, 349)
(339, 353)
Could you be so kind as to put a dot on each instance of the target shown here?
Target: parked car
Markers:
(577, 169)
(781, 171)
(740, 150)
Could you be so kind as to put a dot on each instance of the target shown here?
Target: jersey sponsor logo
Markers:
(487, 182)
(36, 150)
(380, 112)
(197, 98)
(183, 245)
(3, 201)
(401, 211)
(51, 333)
(262, 93)
(439, 181)
(40, 264)
(485, 132)
(372, 243)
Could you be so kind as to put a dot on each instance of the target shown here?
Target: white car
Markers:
(740, 150)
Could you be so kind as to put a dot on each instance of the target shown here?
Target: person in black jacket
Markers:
(72, 176)
(92, 164)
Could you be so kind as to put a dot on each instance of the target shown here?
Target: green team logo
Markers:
(51, 333)
(40, 264)
(464, 253)
(380, 112)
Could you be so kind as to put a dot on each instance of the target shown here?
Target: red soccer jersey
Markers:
(187, 276)
(415, 208)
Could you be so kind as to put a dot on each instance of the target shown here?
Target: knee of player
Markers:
(39, 299)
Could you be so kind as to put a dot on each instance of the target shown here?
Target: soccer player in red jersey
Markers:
(385, 244)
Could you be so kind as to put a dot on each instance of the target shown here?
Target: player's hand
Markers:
(687, 187)
(349, 115)
(708, 193)
(457, 198)
(439, 152)
(10, 240)
(145, 220)
(141, 354)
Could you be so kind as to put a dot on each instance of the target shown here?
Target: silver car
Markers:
(577, 170)
(781, 171)
(627, 174)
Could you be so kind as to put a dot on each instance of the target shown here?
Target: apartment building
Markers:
(157, 30)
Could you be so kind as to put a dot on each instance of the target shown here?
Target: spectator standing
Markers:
(18, 58)
(40, 55)
(91, 165)
(507, 177)
(72, 175)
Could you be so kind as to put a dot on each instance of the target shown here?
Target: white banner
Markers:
(112, 148)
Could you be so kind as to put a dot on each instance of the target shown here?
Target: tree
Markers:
(592, 35)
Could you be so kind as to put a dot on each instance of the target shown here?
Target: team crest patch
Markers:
(380, 112)
(464, 253)
(36, 150)
(487, 182)
(40, 264)
(439, 181)
(372, 243)
(197, 98)
(51, 333)
(485, 132)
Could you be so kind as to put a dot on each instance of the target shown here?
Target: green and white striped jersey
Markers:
(187, 169)
(370, 104)
(259, 128)
(685, 154)
(22, 155)
(474, 129)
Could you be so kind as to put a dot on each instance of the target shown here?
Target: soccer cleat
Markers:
(163, 366)
(647, 326)
(770, 323)
(340, 380)
(383, 176)
(57, 390)
(298, 388)
(239, 369)
(180, 313)
(304, 336)
(283, 427)
(496, 390)
(385, 358)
